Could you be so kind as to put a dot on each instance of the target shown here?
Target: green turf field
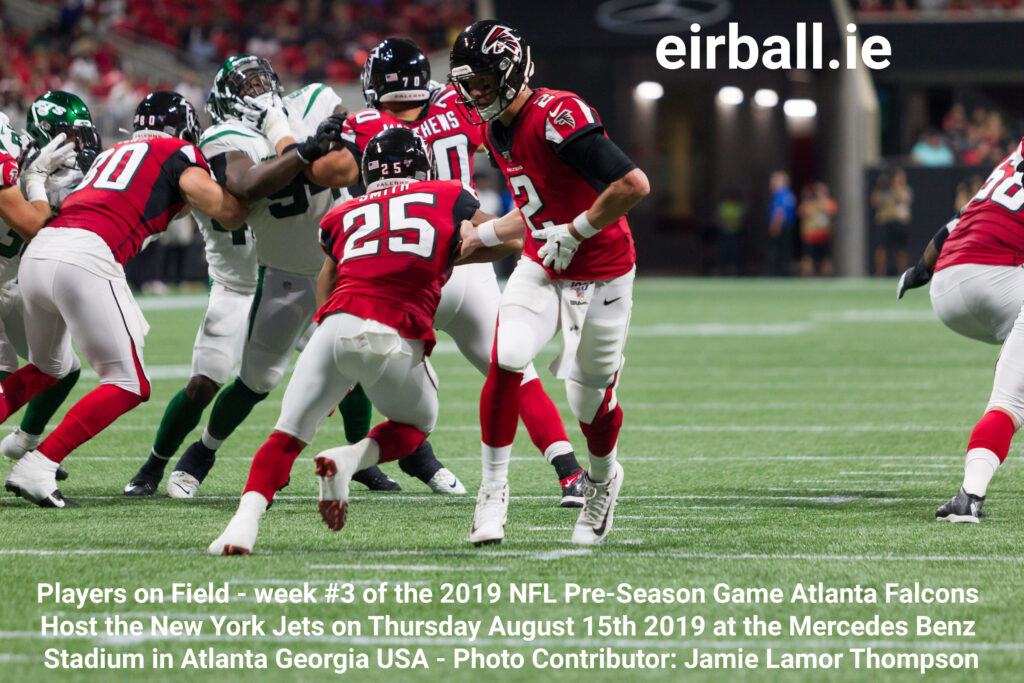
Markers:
(776, 432)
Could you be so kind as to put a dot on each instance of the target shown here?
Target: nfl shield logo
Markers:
(580, 288)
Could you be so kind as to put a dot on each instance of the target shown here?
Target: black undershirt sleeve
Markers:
(596, 159)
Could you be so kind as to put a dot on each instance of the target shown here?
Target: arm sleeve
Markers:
(596, 158)
(219, 168)
(327, 243)
(465, 206)
(185, 157)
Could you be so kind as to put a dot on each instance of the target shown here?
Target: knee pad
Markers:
(513, 346)
(587, 401)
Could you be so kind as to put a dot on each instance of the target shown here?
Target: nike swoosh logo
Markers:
(604, 523)
(454, 483)
(609, 302)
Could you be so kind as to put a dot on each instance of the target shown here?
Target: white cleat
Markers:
(334, 481)
(240, 534)
(33, 477)
(182, 485)
(595, 520)
(445, 482)
(490, 514)
(18, 443)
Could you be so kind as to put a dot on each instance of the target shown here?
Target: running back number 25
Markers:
(405, 234)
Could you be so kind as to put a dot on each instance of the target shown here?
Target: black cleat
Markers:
(964, 507)
(141, 486)
(572, 491)
(61, 474)
(375, 480)
(55, 499)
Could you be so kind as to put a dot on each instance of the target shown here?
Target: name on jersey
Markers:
(434, 125)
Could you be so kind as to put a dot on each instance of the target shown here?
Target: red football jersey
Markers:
(8, 170)
(451, 138)
(131, 192)
(991, 227)
(548, 191)
(394, 248)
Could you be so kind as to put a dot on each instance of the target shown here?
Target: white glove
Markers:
(560, 247)
(266, 114)
(51, 158)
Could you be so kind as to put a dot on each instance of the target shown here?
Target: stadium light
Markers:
(649, 90)
(766, 97)
(730, 95)
(800, 109)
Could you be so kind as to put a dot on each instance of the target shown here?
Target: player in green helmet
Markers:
(57, 112)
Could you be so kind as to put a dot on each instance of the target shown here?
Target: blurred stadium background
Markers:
(946, 109)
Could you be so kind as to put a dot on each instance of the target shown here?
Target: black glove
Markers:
(327, 133)
(913, 278)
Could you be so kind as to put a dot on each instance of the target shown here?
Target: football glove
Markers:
(266, 114)
(54, 156)
(558, 249)
(327, 133)
(913, 278)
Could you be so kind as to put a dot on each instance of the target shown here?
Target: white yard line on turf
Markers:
(406, 568)
(617, 529)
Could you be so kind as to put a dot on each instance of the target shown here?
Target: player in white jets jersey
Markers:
(52, 114)
(253, 148)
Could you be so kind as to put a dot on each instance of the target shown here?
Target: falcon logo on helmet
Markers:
(501, 39)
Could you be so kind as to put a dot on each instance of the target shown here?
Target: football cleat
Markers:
(599, 498)
(191, 470)
(375, 480)
(963, 507)
(334, 482)
(18, 443)
(140, 486)
(572, 490)
(33, 478)
(445, 482)
(490, 515)
(239, 536)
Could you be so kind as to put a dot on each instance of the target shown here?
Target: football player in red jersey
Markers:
(976, 290)
(73, 284)
(389, 251)
(572, 186)
(396, 83)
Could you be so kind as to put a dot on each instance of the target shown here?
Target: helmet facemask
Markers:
(489, 57)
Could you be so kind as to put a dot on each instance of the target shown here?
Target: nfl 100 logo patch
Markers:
(580, 288)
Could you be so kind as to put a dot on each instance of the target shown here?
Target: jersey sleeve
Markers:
(320, 102)
(567, 119)
(9, 171)
(218, 141)
(184, 158)
(466, 205)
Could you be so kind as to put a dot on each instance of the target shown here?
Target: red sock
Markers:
(993, 432)
(87, 418)
(540, 416)
(603, 432)
(499, 406)
(22, 386)
(396, 440)
(272, 464)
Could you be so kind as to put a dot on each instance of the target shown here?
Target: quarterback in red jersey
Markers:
(572, 187)
(399, 92)
(977, 286)
(73, 283)
(389, 252)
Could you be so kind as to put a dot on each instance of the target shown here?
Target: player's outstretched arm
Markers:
(921, 272)
(202, 192)
(25, 218)
(326, 281)
(500, 237)
(618, 198)
(251, 181)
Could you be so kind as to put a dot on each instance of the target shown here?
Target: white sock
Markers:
(210, 441)
(601, 467)
(979, 467)
(556, 449)
(355, 457)
(494, 463)
(252, 504)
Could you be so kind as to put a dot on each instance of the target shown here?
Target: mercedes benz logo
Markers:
(659, 16)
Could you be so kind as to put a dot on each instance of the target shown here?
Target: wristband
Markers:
(35, 188)
(487, 234)
(584, 227)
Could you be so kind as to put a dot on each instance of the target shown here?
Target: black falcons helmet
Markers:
(396, 153)
(395, 71)
(490, 48)
(167, 112)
